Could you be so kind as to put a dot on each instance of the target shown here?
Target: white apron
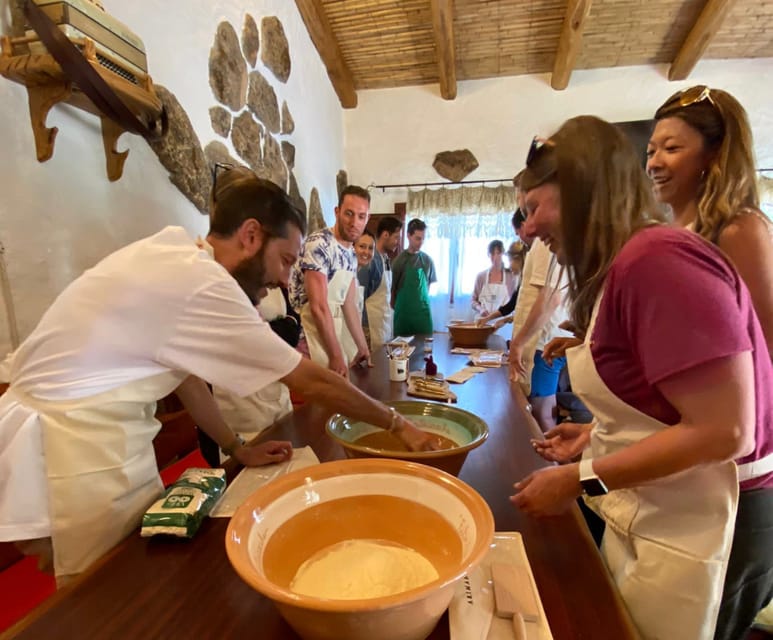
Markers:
(100, 468)
(337, 288)
(380, 312)
(492, 296)
(666, 543)
(347, 341)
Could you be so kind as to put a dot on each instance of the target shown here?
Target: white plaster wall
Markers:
(60, 217)
(394, 134)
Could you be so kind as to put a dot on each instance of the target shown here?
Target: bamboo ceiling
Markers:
(393, 43)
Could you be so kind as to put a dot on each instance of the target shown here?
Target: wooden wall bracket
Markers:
(47, 86)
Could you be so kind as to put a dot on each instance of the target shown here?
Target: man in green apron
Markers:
(413, 271)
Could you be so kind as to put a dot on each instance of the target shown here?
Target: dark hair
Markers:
(517, 179)
(390, 224)
(494, 245)
(519, 217)
(365, 232)
(353, 190)
(239, 195)
(605, 198)
(416, 225)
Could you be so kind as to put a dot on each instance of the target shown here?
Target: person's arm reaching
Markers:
(316, 290)
(200, 404)
(320, 385)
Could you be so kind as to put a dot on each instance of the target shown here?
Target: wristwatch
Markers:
(592, 485)
(236, 442)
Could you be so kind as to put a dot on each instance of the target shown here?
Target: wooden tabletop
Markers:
(160, 588)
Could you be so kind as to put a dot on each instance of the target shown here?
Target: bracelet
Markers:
(394, 419)
(232, 446)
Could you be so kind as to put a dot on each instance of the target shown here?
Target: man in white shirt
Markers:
(539, 312)
(323, 288)
(162, 314)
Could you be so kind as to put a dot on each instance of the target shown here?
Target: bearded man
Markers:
(164, 314)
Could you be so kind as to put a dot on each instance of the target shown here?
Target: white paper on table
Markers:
(507, 547)
(251, 478)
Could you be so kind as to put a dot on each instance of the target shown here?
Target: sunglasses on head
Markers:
(690, 96)
(218, 168)
(537, 144)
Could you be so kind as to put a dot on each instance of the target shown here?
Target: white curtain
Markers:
(461, 222)
(765, 184)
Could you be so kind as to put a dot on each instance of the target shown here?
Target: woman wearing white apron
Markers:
(363, 249)
(671, 370)
(494, 286)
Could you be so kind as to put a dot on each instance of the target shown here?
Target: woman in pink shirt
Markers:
(675, 369)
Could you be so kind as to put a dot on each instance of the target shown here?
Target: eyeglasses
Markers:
(219, 166)
(536, 145)
(688, 97)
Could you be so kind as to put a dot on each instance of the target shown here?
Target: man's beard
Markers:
(251, 276)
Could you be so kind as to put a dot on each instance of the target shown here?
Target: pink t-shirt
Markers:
(673, 302)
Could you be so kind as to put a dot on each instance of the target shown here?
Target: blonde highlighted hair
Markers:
(730, 185)
(605, 198)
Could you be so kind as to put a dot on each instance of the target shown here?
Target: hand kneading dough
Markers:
(361, 569)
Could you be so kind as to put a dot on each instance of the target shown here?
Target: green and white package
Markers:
(185, 504)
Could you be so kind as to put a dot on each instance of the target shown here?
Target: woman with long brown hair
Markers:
(680, 400)
(701, 162)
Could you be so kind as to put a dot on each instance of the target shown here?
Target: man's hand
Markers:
(337, 364)
(414, 438)
(548, 492)
(484, 319)
(500, 323)
(361, 358)
(564, 442)
(517, 366)
(257, 455)
(557, 347)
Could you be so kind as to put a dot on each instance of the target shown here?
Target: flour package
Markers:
(185, 504)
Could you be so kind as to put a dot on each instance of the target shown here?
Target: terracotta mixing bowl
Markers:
(469, 334)
(290, 519)
(458, 425)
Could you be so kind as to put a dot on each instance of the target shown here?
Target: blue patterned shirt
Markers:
(323, 253)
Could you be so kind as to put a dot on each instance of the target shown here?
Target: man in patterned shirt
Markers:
(323, 285)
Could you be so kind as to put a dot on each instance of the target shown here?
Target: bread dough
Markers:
(362, 569)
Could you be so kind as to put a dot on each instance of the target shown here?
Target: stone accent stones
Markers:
(246, 136)
(288, 153)
(316, 220)
(342, 181)
(227, 68)
(216, 152)
(273, 167)
(455, 165)
(275, 52)
(262, 101)
(250, 40)
(295, 194)
(220, 118)
(180, 152)
(288, 124)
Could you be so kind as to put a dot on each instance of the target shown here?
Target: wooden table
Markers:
(154, 588)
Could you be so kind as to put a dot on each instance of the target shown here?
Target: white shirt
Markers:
(540, 269)
(160, 304)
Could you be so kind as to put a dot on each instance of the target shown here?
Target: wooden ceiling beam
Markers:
(703, 31)
(443, 32)
(570, 44)
(318, 26)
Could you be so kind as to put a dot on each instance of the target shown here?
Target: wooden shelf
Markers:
(47, 85)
